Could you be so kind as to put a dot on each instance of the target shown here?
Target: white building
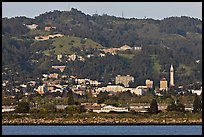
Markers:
(8, 108)
(139, 90)
(114, 88)
(32, 26)
(59, 57)
(198, 92)
(171, 76)
(72, 57)
(111, 108)
(124, 80)
(137, 48)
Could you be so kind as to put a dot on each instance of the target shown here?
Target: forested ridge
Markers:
(173, 40)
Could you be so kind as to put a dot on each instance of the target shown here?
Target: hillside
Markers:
(173, 40)
(67, 44)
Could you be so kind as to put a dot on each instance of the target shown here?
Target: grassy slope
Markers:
(64, 44)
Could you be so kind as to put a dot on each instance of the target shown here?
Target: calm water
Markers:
(104, 130)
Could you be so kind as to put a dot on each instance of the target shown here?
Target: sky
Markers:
(139, 10)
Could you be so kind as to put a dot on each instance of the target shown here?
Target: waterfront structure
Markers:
(171, 76)
(8, 108)
(163, 84)
(124, 80)
(111, 108)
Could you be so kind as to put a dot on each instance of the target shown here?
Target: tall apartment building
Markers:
(124, 80)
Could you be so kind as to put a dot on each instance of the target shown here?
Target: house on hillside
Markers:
(125, 47)
(32, 26)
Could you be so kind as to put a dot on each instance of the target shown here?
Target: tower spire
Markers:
(171, 76)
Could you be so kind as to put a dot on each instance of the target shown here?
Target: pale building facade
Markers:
(171, 76)
(149, 83)
(163, 84)
(124, 80)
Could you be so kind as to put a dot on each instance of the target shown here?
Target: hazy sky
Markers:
(155, 10)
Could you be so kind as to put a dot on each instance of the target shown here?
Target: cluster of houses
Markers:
(125, 47)
(52, 83)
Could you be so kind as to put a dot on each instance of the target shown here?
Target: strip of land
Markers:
(98, 120)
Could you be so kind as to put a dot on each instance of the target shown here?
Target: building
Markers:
(48, 37)
(113, 51)
(137, 48)
(139, 90)
(61, 68)
(72, 57)
(41, 38)
(149, 83)
(49, 28)
(111, 88)
(163, 84)
(111, 108)
(171, 76)
(124, 80)
(140, 107)
(125, 47)
(32, 26)
(41, 89)
(8, 108)
(53, 75)
(198, 92)
(59, 57)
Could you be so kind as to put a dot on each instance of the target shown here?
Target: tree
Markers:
(197, 105)
(70, 97)
(180, 107)
(49, 107)
(153, 107)
(102, 96)
(73, 109)
(22, 107)
(176, 106)
(171, 106)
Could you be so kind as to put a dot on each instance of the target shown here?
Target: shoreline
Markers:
(100, 122)
(108, 124)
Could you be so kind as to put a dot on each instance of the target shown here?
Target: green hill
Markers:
(67, 44)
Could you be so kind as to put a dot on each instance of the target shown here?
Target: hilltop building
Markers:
(124, 47)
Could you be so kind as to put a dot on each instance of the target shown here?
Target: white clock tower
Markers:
(171, 76)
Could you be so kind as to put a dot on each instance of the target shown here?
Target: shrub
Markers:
(153, 107)
(33, 110)
(49, 108)
(73, 109)
(23, 107)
